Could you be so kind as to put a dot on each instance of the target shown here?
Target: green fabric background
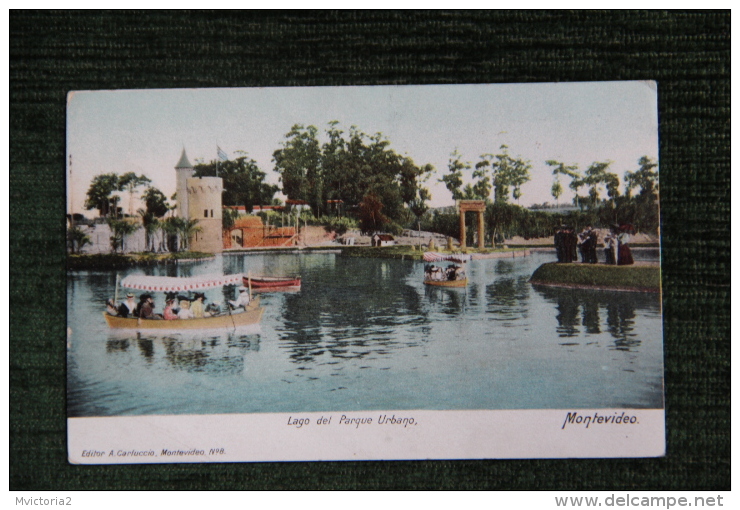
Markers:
(688, 54)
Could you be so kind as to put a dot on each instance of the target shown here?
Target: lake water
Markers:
(366, 334)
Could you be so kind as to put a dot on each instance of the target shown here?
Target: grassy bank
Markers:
(120, 261)
(599, 276)
(405, 252)
(551, 245)
(385, 252)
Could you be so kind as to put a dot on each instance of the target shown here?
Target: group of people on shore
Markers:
(176, 307)
(616, 245)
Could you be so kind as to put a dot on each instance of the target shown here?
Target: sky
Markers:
(144, 131)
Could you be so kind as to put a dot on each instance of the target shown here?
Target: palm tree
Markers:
(556, 191)
(120, 230)
(129, 182)
(169, 229)
(151, 225)
(183, 229)
(77, 239)
(562, 169)
(188, 228)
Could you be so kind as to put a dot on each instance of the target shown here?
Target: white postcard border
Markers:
(367, 435)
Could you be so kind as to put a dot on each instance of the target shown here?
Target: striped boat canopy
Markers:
(431, 256)
(172, 284)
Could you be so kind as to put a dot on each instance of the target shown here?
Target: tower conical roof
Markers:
(183, 163)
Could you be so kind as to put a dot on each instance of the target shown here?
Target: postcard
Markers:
(364, 273)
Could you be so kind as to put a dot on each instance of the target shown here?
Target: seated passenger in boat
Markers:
(213, 309)
(128, 307)
(172, 296)
(185, 311)
(197, 306)
(111, 307)
(169, 312)
(242, 301)
(455, 272)
(146, 307)
(438, 273)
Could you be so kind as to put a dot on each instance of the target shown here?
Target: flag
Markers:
(221, 154)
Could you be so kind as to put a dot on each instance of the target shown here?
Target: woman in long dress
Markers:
(624, 254)
(610, 245)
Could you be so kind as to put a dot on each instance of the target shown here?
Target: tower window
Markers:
(211, 213)
(205, 213)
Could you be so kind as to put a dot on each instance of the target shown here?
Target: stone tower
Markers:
(184, 172)
(199, 198)
(204, 205)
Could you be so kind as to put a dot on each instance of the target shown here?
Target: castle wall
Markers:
(204, 205)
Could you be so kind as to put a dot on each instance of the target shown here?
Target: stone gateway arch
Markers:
(478, 206)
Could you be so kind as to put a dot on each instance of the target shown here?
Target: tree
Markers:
(120, 229)
(348, 167)
(418, 206)
(507, 173)
(371, 217)
(129, 182)
(170, 228)
(645, 204)
(244, 182)
(413, 194)
(77, 239)
(151, 226)
(596, 175)
(453, 179)
(379, 171)
(556, 191)
(646, 178)
(249, 189)
(99, 194)
(340, 177)
(559, 169)
(156, 202)
(481, 190)
(180, 231)
(299, 164)
(228, 218)
(187, 229)
(520, 175)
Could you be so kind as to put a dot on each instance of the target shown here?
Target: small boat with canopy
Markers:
(228, 319)
(451, 276)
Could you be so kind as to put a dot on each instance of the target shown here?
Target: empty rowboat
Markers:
(272, 283)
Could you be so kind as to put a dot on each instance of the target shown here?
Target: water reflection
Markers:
(591, 317)
(589, 309)
(286, 264)
(214, 354)
(447, 301)
(352, 311)
(367, 334)
(620, 320)
(567, 316)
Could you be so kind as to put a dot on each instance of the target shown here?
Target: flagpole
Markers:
(70, 185)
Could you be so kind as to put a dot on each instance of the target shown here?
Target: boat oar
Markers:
(228, 308)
